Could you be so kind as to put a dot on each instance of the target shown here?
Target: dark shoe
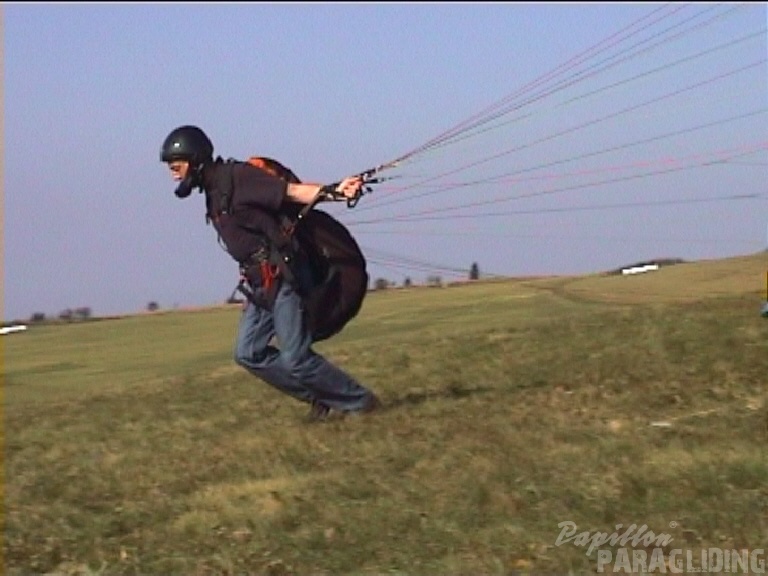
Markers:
(318, 412)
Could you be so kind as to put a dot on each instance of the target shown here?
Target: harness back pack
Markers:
(303, 236)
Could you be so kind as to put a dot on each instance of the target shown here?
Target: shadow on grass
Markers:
(414, 398)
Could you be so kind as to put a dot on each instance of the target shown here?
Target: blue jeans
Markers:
(294, 368)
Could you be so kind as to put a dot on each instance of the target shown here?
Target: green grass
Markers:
(136, 446)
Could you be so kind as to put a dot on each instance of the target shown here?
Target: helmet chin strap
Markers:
(194, 179)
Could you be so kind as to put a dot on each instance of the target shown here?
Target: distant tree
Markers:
(407, 282)
(37, 317)
(474, 271)
(82, 313)
(152, 306)
(66, 315)
(434, 281)
(381, 284)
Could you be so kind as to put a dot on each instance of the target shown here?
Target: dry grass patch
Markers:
(687, 282)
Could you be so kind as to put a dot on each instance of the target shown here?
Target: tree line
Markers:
(83, 313)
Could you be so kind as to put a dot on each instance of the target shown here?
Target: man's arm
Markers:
(305, 193)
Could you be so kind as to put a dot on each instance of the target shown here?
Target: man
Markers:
(243, 203)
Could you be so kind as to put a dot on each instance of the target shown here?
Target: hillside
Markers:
(137, 446)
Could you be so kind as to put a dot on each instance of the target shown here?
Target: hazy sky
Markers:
(594, 136)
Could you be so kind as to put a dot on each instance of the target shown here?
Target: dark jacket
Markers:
(243, 203)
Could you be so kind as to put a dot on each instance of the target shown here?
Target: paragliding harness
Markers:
(307, 248)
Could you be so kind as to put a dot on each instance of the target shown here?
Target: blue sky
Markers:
(604, 148)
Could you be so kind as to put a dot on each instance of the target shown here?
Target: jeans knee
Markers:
(299, 367)
(251, 359)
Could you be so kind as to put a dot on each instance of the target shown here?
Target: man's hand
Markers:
(350, 187)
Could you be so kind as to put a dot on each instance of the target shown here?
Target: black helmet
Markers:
(187, 143)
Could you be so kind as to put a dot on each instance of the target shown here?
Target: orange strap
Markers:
(268, 274)
(274, 168)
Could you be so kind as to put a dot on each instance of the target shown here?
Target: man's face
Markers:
(179, 169)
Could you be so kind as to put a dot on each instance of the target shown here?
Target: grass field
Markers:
(137, 446)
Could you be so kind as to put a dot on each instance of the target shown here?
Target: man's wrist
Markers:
(329, 193)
